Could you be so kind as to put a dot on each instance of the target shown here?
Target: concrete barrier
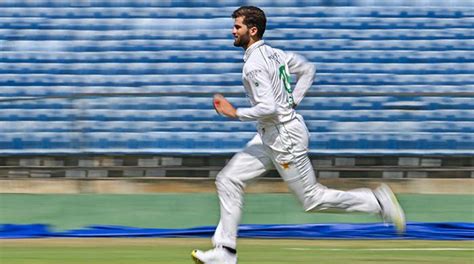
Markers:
(196, 185)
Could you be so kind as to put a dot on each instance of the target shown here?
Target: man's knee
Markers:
(312, 199)
(226, 182)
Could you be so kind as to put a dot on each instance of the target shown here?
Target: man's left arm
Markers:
(305, 72)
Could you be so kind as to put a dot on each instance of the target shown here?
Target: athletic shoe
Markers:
(218, 255)
(391, 209)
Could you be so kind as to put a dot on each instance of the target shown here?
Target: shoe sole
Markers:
(399, 220)
(195, 258)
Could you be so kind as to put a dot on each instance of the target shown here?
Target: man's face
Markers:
(241, 33)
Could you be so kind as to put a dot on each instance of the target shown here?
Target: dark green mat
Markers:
(182, 210)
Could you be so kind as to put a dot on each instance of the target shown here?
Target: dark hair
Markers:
(253, 17)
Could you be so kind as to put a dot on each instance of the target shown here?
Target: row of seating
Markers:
(224, 3)
(235, 56)
(316, 126)
(210, 12)
(274, 34)
(23, 93)
(227, 44)
(210, 115)
(230, 79)
(226, 22)
(186, 102)
(223, 142)
(225, 68)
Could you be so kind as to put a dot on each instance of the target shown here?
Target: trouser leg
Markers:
(252, 162)
(314, 196)
(289, 144)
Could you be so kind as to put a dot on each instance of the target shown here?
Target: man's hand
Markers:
(224, 107)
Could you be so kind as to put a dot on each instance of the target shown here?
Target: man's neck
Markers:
(250, 48)
(251, 42)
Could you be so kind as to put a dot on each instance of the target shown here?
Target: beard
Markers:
(242, 41)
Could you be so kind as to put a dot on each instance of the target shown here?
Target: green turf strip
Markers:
(183, 210)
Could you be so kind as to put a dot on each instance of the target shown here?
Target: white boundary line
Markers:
(381, 249)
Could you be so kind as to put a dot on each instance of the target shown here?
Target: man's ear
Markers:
(253, 31)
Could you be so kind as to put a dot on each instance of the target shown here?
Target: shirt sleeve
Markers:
(305, 72)
(259, 82)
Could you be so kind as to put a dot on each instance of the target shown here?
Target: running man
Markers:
(281, 141)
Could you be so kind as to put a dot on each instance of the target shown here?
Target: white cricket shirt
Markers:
(266, 78)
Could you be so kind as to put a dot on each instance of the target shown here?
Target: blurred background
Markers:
(102, 96)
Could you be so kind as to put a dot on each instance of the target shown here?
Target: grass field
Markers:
(251, 251)
(179, 211)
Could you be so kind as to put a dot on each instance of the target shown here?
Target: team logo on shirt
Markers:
(285, 165)
(253, 74)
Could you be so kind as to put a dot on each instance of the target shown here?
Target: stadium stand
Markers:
(136, 77)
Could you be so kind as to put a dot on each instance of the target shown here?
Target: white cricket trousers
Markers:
(284, 147)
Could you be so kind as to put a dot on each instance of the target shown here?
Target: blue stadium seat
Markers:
(222, 3)
(167, 142)
(223, 33)
(390, 143)
(169, 126)
(39, 143)
(28, 103)
(232, 79)
(313, 125)
(223, 68)
(368, 34)
(151, 115)
(221, 142)
(45, 115)
(389, 115)
(36, 126)
(118, 69)
(391, 88)
(388, 126)
(205, 12)
(235, 56)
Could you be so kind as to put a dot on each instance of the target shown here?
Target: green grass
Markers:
(251, 251)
